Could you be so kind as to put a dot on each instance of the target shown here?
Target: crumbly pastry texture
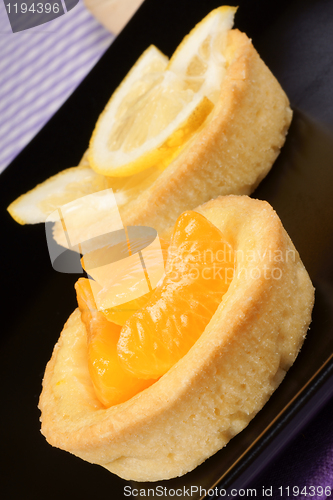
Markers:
(232, 153)
(214, 391)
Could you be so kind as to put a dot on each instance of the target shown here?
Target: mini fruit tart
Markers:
(230, 337)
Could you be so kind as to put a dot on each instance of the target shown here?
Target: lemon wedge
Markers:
(157, 110)
(199, 59)
(70, 184)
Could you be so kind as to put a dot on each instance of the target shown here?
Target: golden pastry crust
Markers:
(232, 153)
(213, 392)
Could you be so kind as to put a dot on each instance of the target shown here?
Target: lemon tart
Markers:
(176, 133)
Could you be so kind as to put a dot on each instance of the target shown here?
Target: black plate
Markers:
(295, 39)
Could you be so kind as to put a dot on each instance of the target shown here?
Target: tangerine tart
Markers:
(230, 338)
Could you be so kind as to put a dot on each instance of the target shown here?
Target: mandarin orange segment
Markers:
(112, 384)
(120, 314)
(96, 259)
(198, 273)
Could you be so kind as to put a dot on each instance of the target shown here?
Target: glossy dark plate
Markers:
(295, 40)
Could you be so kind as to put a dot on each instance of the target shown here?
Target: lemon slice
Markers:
(147, 122)
(70, 184)
(199, 59)
(141, 78)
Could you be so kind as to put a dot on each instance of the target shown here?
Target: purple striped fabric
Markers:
(39, 69)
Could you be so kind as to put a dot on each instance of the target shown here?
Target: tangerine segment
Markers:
(121, 313)
(106, 290)
(112, 384)
(198, 273)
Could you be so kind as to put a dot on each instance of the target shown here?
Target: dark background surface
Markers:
(295, 39)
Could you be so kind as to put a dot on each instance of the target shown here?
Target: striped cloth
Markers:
(39, 69)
